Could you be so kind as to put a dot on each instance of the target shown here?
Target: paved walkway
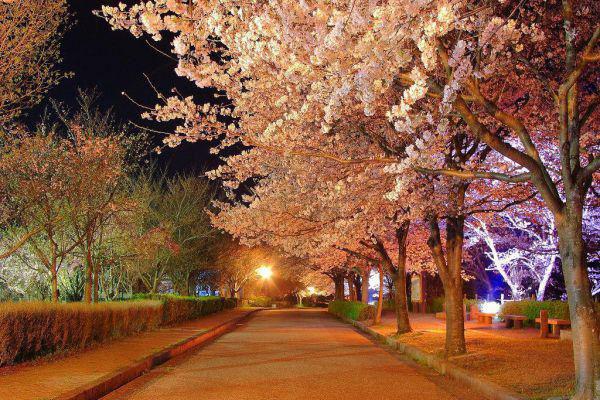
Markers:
(292, 354)
(47, 379)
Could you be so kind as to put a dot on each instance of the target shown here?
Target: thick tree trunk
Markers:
(379, 310)
(449, 268)
(351, 291)
(585, 324)
(399, 277)
(401, 304)
(338, 281)
(364, 291)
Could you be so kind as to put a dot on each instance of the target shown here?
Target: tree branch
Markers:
(520, 178)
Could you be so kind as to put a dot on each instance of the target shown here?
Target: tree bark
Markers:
(379, 310)
(449, 268)
(351, 291)
(364, 291)
(399, 277)
(585, 324)
(357, 281)
(89, 271)
(54, 278)
(96, 283)
(338, 281)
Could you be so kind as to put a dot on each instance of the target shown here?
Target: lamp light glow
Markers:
(264, 272)
(490, 307)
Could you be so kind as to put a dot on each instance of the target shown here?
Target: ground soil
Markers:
(516, 359)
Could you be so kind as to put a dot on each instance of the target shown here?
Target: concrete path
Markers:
(292, 354)
(47, 379)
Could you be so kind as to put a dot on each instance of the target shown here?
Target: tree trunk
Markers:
(357, 281)
(399, 277)
(401, 304)
(364, 291)
(585, 324)
(338, 281)
(89, 271)
(54, 277)
(449, 268)
(96, 283)
(377, 318)
(351, 291)
(541, 291)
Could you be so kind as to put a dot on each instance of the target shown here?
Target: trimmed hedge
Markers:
(178, 309)
(352, 310)
(32, 329)
(531, 308)
(260, 301)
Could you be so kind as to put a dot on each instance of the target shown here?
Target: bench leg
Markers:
(543, 323)
(556, 331)
(518, 324)
(508, 323)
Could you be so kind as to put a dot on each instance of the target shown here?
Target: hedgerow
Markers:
(531, 309)
(32, 329)
(178, 309)
(352, 310)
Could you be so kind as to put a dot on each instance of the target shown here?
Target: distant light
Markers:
(264, 272)
(311, 290)
(490, 307)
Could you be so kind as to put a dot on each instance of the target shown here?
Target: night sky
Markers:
(114, 62)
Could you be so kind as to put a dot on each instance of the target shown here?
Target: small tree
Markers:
(30, 33)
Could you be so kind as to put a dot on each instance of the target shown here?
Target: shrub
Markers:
(32, 329)
(178, 309)
(531, 309)
(352, 310)
(260, 301)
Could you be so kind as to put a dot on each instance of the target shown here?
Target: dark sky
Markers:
(114, 62)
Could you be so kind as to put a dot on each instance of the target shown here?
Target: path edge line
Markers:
(114, 380)
(489, 389)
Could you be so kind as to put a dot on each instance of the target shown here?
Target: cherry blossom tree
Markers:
(519, 249)
(515, 77)
(30, 46)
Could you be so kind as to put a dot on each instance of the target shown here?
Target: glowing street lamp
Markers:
(264, 272)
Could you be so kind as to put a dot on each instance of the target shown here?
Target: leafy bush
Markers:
(352, 310)
(436, 304)
(531, 309)
(32, 329)
(178, 309)
(260, 301)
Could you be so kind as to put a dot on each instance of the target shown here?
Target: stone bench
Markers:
(514, 320)
(555, 324)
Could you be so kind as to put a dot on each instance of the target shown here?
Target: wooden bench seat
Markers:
(514, 320)
(555, 324)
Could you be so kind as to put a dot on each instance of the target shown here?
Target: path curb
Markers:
(491, 390)
(114, 380)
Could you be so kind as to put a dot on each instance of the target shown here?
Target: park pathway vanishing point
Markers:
(292, 354)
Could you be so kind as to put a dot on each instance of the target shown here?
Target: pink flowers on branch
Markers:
(336, 94)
